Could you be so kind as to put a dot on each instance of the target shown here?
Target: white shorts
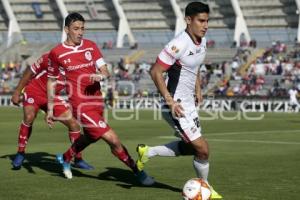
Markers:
(188, 127)
(294, 103)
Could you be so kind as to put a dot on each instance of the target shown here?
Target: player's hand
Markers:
(49, 118)
(16, 98)
(176, 109)
(96, 78)
(198, 99)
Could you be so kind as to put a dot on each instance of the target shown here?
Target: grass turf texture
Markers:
(249, 160)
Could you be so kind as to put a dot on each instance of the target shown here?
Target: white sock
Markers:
(170, 149)
(201, 168)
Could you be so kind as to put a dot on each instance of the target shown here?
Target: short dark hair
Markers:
(195, 8)
(72, 17)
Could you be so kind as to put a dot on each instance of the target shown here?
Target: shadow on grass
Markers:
(129, 180)
(45, 161)
(41, 160)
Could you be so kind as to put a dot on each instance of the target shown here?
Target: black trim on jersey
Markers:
(176, 122)
(193, 39)
(173, 74)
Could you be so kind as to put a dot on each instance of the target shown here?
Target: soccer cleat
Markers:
(214, 194)
(81, 164)
(18, 161)
(142, 151)
(65, 166)
(144, 178)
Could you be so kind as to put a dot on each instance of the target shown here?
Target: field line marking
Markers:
(241, 133)
(255, 132)
(254, 141)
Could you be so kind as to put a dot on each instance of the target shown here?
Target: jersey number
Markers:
(196, 121)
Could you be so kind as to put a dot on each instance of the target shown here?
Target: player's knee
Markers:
(112, 139)
(115, 143)
(202, 153)
(29, 118)
(73, 125)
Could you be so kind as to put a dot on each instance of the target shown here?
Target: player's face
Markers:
(198, 24)
(75, 32)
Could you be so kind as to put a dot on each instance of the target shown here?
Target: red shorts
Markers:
(93, 123)
(40, 102)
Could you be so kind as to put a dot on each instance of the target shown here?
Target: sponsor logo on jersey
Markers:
(174, 49)
(71, 68)
(102, 124)
(191, 53)
(30, 100)
(194, 129)
(88, 55)
(67, 61)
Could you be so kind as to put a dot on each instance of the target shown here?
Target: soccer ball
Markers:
(196, 189)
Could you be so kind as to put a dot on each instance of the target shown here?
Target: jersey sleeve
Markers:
(53, 66)
(40, 65)
(97, 55)
(172, 52)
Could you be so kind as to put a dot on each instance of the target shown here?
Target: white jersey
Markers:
(182, 59)
(293, 95)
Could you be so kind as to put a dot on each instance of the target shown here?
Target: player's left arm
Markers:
(198, 92)
(101, 74)
(102, 70)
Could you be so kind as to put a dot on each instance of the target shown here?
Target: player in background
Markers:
(293, 92)
(181, 59)
(34, 98)
(84, 67)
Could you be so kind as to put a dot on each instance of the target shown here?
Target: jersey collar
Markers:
(195, 42)
(72, 47)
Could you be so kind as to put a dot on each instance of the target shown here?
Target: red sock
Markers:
(24, 134)
(78, 146)
(74, 135)
(69, 154)
(126, 159)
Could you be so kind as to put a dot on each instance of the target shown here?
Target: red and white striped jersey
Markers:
(78, 63)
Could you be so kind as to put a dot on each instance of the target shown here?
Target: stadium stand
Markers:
(99, 14)
(35, 16)
(156, 14)
(226, 70)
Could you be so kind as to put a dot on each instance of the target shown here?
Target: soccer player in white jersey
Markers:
(181, 59)
(293, 98)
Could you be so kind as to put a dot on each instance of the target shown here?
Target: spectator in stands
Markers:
(279, 69)
(222, 88)
(104, 46)
(37, 9)
(109, 99)
(210, 44)
(134, 46)
(243, 41)
(252, 43)
(110, 44)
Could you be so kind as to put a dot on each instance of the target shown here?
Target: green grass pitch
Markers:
(249, 160)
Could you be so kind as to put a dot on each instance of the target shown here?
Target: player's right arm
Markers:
(27, 76)
(165, 60)
(36, 68)
(53, 73)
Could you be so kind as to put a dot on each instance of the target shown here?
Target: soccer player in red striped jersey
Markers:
(84, 67)
(34, 98)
